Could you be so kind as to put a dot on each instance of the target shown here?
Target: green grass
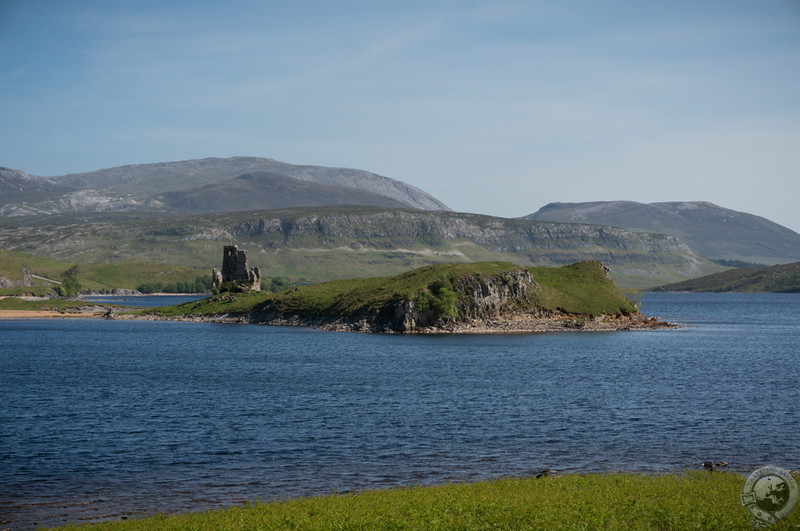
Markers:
(217, 304)
(131, 275)
(93, 276)
(782, 278)
(36, 291)
(15, 303)
(11, 264)
(353, 296)
(693, 500)
(581, 288)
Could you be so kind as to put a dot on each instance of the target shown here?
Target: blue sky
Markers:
(495, 107)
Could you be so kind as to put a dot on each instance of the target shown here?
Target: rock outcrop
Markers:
(478, 299)
(505, 301)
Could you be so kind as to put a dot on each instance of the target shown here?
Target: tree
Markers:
(70, 287)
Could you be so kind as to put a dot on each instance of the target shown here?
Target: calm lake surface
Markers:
(145, 301)
(107, 419)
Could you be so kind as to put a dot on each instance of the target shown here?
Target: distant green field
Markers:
(693, 500)
(782, 278)
(36, 291)
(127, 275)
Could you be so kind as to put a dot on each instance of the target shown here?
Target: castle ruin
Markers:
(235, 271)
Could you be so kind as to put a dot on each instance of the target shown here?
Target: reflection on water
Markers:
(143, 301)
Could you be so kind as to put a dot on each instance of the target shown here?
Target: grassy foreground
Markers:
(694, 500)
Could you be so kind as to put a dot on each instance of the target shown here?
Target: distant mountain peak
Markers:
(266, 191)
(143, 185)
(16, 185)
(710, 230)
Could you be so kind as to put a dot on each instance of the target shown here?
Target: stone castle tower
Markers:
(234, 269)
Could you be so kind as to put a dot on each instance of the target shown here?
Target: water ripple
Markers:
(111, 419)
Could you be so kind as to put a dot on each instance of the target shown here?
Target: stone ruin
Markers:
(235, 272)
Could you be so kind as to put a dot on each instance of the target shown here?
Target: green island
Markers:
(476, 297)
(690, 500)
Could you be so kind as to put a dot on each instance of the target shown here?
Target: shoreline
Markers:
(507, 324)
(48, 314)
(535, 494)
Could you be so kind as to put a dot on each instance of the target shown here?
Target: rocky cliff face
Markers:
(328, 243)
(478, 299)
(547, 241)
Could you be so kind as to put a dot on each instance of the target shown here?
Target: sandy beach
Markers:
(38, 314)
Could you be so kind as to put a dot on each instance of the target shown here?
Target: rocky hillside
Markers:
(709, 230)
(476, 297)
(264, 190)
(159, 187)
(784, 278)
(328, 243)
(16, 185)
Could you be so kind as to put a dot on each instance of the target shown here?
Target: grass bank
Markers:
(15, 303)
(693, 500)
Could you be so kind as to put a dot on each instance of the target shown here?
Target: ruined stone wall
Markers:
(234, 269)
(234, 264)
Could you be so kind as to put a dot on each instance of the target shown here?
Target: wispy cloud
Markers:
(647, 98)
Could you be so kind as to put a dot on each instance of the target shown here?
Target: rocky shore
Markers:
(475, 298)
(507, 324)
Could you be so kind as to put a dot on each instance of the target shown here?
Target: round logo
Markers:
(770, 494)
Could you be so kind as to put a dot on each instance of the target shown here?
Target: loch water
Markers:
(105, 419)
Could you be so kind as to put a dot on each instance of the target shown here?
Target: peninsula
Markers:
(481, 297)
(781, 278)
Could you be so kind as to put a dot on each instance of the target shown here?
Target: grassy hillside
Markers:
(777, 279)
(442, 290)
(580, 288)
(596, 501)
(95, 276)
(11, 266)
(344, 242)
(269, 190)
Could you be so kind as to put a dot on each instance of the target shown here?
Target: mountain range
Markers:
(321, 243)
(204, 186)
(709, 230)
(324, 223)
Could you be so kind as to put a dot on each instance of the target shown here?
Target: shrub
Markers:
(438, 298)
(69, 287)
(200, 284)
